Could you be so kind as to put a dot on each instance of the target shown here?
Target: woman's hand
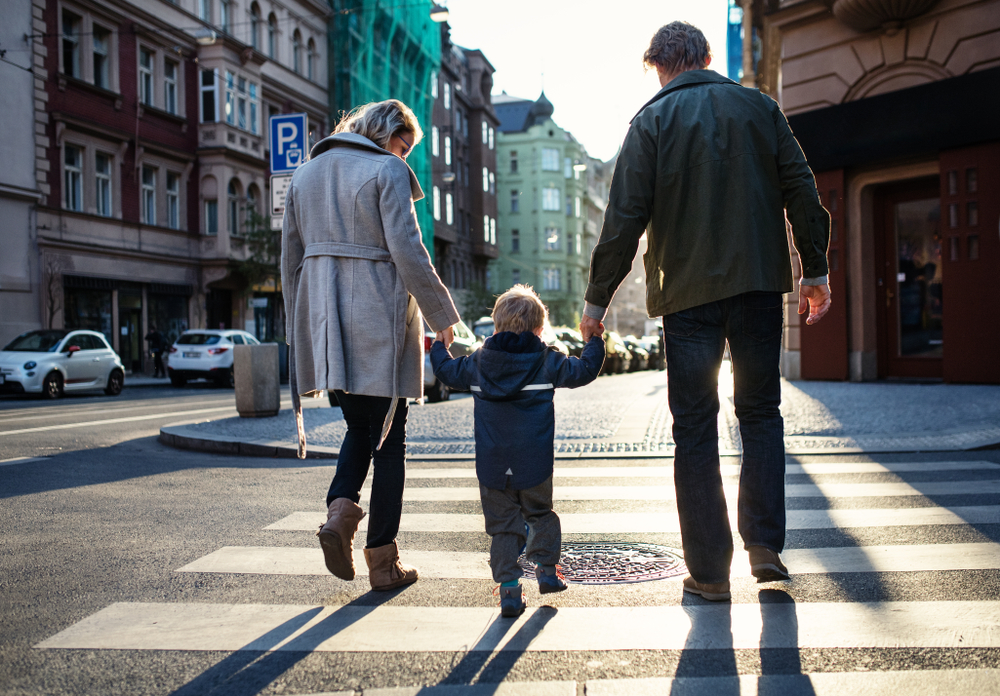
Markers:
(447, 337)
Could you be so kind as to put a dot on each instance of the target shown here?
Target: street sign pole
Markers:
(289, 148)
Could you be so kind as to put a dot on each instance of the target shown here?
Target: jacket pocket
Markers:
(763, 315)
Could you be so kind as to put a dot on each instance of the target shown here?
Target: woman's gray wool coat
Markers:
(356, 276)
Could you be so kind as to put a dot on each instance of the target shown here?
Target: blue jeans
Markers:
(364, 416)
(695, 340)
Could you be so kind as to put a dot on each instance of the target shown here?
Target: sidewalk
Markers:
(628, 416)
(144, 380)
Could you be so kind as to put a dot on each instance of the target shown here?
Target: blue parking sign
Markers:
(288, 142)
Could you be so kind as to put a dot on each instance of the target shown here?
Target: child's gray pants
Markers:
(506, 512)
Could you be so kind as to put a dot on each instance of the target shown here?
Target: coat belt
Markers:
(349, 251)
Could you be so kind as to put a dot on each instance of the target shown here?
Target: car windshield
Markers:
(37, 342)
(198, 339)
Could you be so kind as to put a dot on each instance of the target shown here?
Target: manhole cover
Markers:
(613, 564)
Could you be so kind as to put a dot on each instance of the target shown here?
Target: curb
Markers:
(181, 437)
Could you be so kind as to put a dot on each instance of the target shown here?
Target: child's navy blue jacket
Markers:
(513, 378)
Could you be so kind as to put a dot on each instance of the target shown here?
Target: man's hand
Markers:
(815, 298)
(590, 327)
(447, 337)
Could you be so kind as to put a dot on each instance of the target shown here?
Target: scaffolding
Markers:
(388, 49)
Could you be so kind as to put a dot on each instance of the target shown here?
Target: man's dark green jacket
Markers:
(710, 168)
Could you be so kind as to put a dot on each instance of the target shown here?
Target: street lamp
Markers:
(579, 166)
(439, 13)
(448, 177)
(205, 36)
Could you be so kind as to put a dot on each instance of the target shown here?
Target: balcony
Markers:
(223, 135)
(485, 249)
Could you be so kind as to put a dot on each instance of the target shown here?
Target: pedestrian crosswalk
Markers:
(946, 515)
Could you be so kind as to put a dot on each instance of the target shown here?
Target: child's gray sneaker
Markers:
(512, 603)
(550, 579)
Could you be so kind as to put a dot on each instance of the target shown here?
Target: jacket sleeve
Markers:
(630, 206)
(292, 251)
(576, 372)
(809, 219)
(456, 373)
(402, 236)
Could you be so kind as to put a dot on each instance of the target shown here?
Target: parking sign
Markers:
(288, 142)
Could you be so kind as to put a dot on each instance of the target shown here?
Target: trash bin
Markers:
(255, 372)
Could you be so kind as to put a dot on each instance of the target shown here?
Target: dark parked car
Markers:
(572, 339)
(640, 356)
(618, 358)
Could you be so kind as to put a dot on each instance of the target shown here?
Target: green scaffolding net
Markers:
(388, 49)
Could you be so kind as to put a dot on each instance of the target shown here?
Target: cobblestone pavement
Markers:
(629, 413)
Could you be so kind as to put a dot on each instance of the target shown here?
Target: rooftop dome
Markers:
(542, 110)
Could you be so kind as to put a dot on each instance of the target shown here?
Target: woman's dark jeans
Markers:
(364, 416)
(695, 340)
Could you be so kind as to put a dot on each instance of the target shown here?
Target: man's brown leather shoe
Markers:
(766, 565)
(712, 591)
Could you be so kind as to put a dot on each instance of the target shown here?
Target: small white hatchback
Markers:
(205, 354)
(53, 361)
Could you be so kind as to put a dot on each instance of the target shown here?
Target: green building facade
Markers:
(380, 52)
(541, 194)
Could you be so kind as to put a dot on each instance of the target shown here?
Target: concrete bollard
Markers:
(255, 371)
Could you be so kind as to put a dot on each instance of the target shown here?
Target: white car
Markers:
(53, 361)
(205, 354)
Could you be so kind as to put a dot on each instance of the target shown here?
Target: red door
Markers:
(824, 345)
(970, 212)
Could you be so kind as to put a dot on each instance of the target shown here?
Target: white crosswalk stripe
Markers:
(878, 490)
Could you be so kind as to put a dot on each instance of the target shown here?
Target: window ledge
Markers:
(65, 80)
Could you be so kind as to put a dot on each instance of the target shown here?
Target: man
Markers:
(712, 168)
(155, 340)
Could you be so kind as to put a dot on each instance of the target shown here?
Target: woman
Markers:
(356, 278)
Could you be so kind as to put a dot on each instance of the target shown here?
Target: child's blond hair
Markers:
(518, 310)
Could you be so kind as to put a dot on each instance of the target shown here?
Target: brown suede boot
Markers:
(385, 571)
(337, 536)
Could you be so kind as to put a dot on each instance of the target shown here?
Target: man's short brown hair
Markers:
(519, 309)
(677, 47)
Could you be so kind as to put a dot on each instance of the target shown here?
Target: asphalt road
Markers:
(131, 568)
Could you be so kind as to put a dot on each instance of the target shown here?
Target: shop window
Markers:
(88, 309)
(73, 177)
(169, 314)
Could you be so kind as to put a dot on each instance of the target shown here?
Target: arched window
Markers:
(311, 60)
(297, 51)
(272, 37)
(233, 222)
(255, 26)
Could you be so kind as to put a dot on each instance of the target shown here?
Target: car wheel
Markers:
(52, 387)
(439, 392)
(227, 380)
(116, 381)
(177, 380)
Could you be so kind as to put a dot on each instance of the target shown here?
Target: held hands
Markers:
(447, 337)
(590, 327)
(815, 298)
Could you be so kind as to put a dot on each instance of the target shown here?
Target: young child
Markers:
(512, 379)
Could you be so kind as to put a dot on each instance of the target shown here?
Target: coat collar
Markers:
(353, 140)
(688, 78)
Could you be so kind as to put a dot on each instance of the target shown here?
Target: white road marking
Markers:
(109, 421)
(284, 560)
(654, 522)
(20, 460)
(795, 490)
(553, 688)
(229, 627)
(96, 408)
(902, 683)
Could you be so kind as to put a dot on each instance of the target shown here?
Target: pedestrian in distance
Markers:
(708, 170)
(156, 342)
(513, 377)
(357, 278)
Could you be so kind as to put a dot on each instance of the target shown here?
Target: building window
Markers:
(435, 141)
(73, 177)
(550, 199)
(252, 93)
(567, 167)
(493, 183)
(447, 150)
(569, 205)
(449, 209)
(515, 276)
(491, 138)
(170, 86)
(513, 161)
(551, 238)
(576, 206)
(447, 96)
(71, 44)
(550, 279)
(486, 180)
(311, 60)
(550, 159)
(515, 241)
(233, 210)
(251, 207)
(205, 10)
(173, 200)
(209, 103)
(211, 216)
(255, 26)
(434, 84)
(272, 37)
(486, 228)
(486, 133)
(493, 231)
(515, 201)
(148, 195)
(102, 71)
(241, 102)
(437, 203)
(297, 51)
(146, 76)
(579, 244)
(225, 21)
(102, 179)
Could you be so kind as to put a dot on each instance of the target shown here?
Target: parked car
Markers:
(652, 346)
(205, 354)
(572, 339)
(618, 358)
(53, 361)
(483, 327)
(640, 356)
(465, 343)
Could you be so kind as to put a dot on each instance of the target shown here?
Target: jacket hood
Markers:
(508, 362)
(360, 142)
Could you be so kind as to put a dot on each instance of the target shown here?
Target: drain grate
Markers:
(614, 564)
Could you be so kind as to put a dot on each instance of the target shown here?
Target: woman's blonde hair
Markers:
(379, 121)
(518, 310)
